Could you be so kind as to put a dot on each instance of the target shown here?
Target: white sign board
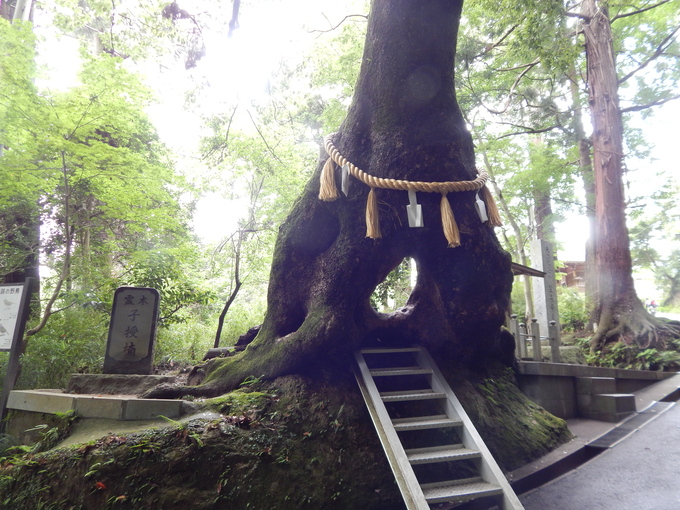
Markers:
(10, 299)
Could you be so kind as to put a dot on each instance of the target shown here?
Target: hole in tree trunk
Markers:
(393, 292)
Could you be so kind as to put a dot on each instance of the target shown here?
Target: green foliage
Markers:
(88, 164)
(185, 342)
(393, 292)
(518, 302)
(521, 79)
(72, 341)
(622, 355)
(166, 271)
(655, 243)
(572, 307)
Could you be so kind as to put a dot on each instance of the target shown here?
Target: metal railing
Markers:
(530, 338)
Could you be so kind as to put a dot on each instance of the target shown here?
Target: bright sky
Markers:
(238, 69)
(660, 131)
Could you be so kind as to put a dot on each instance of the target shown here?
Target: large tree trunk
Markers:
(618, 312)
(404, 123)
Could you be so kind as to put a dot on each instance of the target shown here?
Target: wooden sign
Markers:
(10, 301)
(14, 308)
(132, 331)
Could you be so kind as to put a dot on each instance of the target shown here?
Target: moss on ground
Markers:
(516, 429)
(292, 443)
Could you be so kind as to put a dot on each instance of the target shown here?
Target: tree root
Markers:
(636, 328)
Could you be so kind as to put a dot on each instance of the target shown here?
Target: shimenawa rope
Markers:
(328, 192)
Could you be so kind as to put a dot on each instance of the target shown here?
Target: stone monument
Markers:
(545, 289)
(132, 331)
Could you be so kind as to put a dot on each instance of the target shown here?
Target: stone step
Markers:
(116, 384)
(611, 407)
(119, 407)
(595, 385)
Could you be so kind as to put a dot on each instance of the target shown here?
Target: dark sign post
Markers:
(15, 301)
(132, 331)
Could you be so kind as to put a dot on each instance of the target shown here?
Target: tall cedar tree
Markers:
(618, 312)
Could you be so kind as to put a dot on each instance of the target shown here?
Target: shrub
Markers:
(572, 307)
(73, 340)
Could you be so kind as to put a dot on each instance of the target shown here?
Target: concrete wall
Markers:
(554, 385)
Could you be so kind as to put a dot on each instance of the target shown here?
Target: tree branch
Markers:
(67, 255)
(577, 15)
(491, 46)
(639, 11)
(527, 68)
(224, 146)
(341, 22)
(527, 130)
(264, 140)
(233, 23)
(658, 102)
(663, 46)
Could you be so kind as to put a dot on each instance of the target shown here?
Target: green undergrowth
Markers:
(632, 357)
(292, 443)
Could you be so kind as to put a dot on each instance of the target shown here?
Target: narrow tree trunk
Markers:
(586, 170)
(543, 216)
(404, 123)
(542, 211)
(519, 242)
(585, 167)
(235, 289)
(673, 297)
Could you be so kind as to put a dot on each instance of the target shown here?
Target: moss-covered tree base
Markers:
(630, 323)
(292, 443)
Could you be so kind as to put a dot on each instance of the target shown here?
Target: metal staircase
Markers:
(434, 451)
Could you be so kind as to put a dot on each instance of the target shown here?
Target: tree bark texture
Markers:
(404, 123)
(618, 311)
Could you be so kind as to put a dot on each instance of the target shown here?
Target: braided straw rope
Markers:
(329, 192)
(397, 184)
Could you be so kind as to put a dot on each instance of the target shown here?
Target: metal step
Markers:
(445, 453)
(408, 395)
(458, 491)
(398, 371)
(387, 350)
(490, 482)
(438, 421)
